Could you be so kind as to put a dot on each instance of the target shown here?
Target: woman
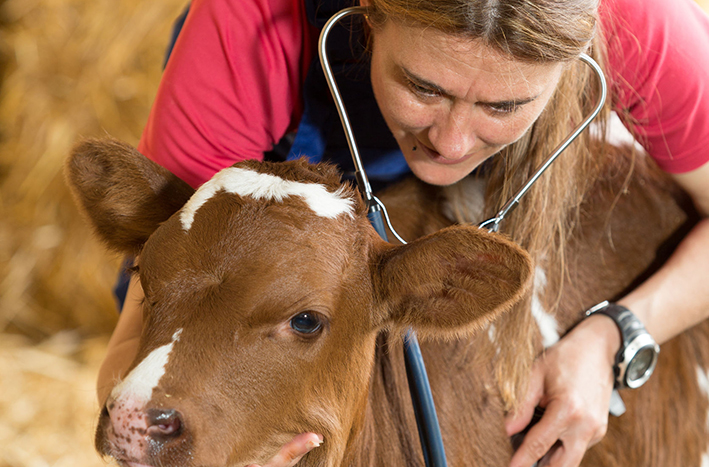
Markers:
(459, 83)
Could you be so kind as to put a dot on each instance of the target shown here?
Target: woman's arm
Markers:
(574, 384)
(123, 345)
(677, 297)
(231, 88)
(651, 45)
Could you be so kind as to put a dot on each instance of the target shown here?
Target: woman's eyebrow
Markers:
(434, 87)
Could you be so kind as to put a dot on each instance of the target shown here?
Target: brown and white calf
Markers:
(272, 308)
(265, 294)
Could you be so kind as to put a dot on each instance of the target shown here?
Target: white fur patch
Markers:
(703, 380)
(548, 326)
(139, 384)
(491, 332)
(245, 182)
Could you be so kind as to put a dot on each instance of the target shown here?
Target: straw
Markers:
(70, 68)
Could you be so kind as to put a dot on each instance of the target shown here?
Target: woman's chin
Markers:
(435, 174)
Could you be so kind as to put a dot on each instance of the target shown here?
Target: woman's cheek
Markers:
(406, 113)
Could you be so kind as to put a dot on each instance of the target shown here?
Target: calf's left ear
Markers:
(124, 194)
(451, 282)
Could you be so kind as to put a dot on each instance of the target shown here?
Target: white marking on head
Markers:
(548, 326)
(244, 182)
(139, 384)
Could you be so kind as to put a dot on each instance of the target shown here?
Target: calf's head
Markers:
(264, 293)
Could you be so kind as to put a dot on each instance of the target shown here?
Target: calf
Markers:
(271, 312)
(272, 308)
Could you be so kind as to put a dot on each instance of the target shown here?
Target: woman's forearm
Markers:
(123, 345)
(676, 297)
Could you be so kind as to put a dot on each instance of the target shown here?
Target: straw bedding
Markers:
(69, 68)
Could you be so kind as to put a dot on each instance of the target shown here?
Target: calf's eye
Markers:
(306, 323)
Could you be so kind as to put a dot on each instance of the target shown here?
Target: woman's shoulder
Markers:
(657, 62)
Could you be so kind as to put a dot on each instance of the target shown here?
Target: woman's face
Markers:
(451, 102)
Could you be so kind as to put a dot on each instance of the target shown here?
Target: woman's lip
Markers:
(439, 159)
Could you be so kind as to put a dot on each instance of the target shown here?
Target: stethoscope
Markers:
(424, 409)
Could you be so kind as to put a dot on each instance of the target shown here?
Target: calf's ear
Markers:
(124, 194)
(451, 282)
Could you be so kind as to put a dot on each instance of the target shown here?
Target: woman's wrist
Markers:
(601, 332)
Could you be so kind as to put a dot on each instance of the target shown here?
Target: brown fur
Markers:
(245, 382)
(254, 386)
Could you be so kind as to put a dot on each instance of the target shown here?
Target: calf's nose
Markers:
(164, 424)
(133, 433)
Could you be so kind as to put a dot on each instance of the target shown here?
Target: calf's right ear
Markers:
(451, 282)
(124, 194)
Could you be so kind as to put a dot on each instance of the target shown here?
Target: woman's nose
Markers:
(452, 135)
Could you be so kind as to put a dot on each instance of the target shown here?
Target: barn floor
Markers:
(48, 405)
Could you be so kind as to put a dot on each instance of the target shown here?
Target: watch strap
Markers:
(630, 328)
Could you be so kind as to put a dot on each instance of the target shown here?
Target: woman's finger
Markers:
(293, 451)
(540, 439)
(568, 454)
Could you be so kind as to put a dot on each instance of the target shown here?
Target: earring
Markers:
(414, 148)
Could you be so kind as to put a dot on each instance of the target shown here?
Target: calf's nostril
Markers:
(164, 423)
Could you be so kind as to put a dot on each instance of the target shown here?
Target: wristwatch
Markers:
(637, 357)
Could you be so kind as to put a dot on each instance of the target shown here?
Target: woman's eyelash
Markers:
(421, 90)
(506, 108)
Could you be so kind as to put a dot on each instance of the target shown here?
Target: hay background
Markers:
(69, 68)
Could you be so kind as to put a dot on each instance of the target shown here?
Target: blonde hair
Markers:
(533, 31)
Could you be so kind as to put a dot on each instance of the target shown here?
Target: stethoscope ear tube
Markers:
(422, 399)
(493, 224)
(424, 409)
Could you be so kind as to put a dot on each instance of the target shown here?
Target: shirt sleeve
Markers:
(231, 88)
(658, 68)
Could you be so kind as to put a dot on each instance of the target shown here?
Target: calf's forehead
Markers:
(281, 233)
(268, 187)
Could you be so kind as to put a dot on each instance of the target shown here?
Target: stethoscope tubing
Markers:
(420, 389)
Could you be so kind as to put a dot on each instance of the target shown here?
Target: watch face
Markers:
(641, 363)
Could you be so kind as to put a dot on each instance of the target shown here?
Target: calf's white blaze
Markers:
(244, 182)
(548, 326)
(139, 384)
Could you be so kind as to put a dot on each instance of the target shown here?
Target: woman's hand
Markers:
(573, 382)
(293, 451)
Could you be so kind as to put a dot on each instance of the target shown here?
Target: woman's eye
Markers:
(421, 90)
(306, 323)
(506, 108)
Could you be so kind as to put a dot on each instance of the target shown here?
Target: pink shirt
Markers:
(658, 69)
(232, 87)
